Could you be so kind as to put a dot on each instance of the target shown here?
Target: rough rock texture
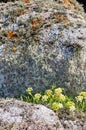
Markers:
(18, 115)
(41, 43)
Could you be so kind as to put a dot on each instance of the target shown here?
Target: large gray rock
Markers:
(48, 45)
(18, 115)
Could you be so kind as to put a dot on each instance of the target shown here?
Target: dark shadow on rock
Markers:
(5, 1)
(83, 2)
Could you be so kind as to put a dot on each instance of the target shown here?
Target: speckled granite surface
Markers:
(41, 43)
(18, 115)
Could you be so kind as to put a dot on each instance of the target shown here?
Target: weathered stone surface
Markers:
(41, 43)
(18, 115)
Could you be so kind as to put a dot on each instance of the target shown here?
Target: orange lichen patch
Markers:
(36, 22)
(11, 34)
(27, 1)
(65, 20)
(69, 3)
(59, 18)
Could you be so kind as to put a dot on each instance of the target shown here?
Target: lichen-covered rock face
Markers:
(41, 43)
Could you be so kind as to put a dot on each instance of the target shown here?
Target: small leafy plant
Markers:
(56, 100)
(81, 101)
